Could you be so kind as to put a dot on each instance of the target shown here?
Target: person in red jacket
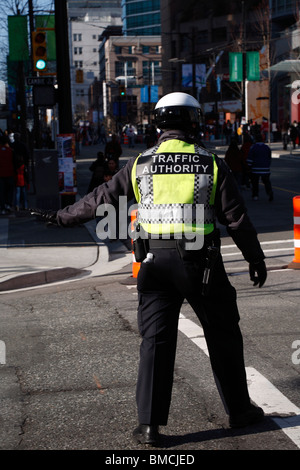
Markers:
(6, 175)
(21, 183)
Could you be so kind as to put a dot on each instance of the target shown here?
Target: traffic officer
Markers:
(182, 190)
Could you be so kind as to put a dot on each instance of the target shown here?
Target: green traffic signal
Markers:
(41, 64)
(39, 50)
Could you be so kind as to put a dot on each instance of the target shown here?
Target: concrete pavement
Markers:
(33, 253)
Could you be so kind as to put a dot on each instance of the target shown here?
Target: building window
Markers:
(79, 92)
(78, 64)
(77, 37)
(125, 68)
(118, 50)
(119, 69)
(152, 71)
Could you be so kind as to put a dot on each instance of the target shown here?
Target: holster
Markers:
(140, 245)
(210, 262)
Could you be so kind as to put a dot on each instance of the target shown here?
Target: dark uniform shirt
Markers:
(229, 204)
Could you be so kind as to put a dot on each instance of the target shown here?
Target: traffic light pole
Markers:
(63, 68)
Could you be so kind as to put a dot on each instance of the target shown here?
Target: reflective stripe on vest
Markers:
(175, 184)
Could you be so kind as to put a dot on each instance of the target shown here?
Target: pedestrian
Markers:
(113, 149)
(274, 131)
(20, 149)
(111, 167)
(150, 136)
(6, 176)
(294, 133)
(259, 162)
(131, 135)
(21, 183)
(264, 129)
(227, 131)
(102, 135)
(247, 144)
(167, 180)
(234, 159)
(78, 137)
(97, 168)
(285, 128)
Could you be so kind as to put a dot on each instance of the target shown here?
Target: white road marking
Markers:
(272, 250)
(262, 392)
(271, 242)
(3, 233)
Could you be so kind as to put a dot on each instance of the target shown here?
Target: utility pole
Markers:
(194, 89)
(63, 68)
(36, 126)
(244, 111)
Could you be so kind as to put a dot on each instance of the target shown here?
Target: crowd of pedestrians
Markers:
(14, 179)
(248, 156)
(250, 163)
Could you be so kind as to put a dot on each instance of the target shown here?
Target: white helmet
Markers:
(177, 111)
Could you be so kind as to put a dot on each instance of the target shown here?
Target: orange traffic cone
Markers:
(295, 264)
(126, 141)
(135, 265)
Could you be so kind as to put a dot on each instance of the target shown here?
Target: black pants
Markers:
(163, 284)
(255, 182)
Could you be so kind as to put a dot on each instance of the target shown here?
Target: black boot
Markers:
(254, 414)
(146, 434)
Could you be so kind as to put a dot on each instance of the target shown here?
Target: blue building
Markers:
(141, 17)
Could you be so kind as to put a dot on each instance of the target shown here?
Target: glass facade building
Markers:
(141, 18)
(92, 4)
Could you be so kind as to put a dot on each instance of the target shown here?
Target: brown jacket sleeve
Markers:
(107, 193)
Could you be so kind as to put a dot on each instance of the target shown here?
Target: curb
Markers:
(40, 278)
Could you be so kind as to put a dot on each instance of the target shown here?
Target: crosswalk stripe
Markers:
(262, 392)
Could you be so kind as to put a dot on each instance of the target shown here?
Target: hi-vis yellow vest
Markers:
(173, 182)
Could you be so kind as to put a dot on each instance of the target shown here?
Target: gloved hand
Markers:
(258, 273)
(46, 215)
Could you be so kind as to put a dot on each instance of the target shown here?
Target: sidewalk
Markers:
(33, 253)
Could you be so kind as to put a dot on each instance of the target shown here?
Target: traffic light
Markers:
(39, 51)
(122, 90)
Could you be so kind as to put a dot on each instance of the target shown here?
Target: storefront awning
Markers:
(286, 66)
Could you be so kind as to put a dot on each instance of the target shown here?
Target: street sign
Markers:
(31, 81)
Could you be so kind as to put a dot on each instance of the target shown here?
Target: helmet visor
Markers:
(177, 117)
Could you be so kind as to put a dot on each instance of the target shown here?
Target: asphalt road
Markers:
(72, 355)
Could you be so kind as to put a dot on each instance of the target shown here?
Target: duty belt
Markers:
(159, 243)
